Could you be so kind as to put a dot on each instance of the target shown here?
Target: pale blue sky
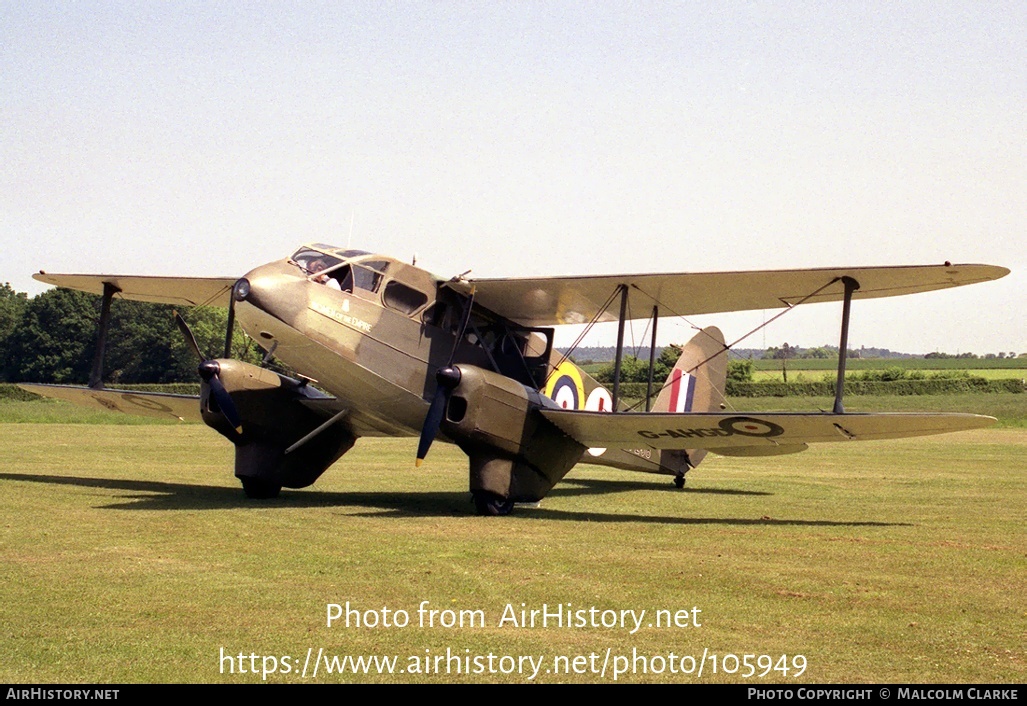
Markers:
(529, 139)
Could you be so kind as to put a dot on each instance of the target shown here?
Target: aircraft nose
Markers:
(272, 291)
(256, 291)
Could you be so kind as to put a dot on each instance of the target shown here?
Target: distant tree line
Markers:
(51, 338)
(1001, 355)
(637, 370)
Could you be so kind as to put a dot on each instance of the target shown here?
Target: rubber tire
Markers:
(260, 489)
(491, 505)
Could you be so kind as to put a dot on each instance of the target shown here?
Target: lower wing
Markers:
(756, 434)
(147, 404)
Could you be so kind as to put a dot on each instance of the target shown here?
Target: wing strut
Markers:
(851, 286)
(230, 329)
(96, 374)
(336, 417)
(652, 360)
(620, 344)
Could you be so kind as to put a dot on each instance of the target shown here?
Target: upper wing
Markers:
(545, 301)
(147, 404)
(716, 431)
(181, 291)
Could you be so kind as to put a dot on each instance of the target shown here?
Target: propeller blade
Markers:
(209, 370)
(189, 337)
(224, 400)
(432, 421)
(447, 378)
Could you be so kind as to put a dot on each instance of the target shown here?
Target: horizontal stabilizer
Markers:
(180, 291)
(726, 431)
(146, 404)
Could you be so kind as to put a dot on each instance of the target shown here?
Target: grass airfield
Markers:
(129, 554)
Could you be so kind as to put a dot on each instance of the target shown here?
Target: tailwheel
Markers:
(260, 489)
(491, 504)
(679, 480)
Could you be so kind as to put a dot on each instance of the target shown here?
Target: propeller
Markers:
(447, 378)
(210, 371)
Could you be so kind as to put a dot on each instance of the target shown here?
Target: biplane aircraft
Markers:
(383, 348)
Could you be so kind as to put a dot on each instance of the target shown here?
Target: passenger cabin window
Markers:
(402, 298)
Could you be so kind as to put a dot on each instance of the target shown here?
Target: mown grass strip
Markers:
(129, 554)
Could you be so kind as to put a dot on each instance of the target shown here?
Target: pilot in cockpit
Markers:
(317, 266)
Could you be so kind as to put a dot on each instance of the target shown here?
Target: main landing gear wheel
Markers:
(490, 504)
(259, 489)
(679, 481)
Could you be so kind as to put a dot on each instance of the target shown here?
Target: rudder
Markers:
(696, 384)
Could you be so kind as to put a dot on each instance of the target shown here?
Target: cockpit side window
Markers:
(321, 268)
(368, 275)
(344, 276)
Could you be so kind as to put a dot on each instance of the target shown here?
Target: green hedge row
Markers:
(10, 391)
(807, 364)
(774, 388)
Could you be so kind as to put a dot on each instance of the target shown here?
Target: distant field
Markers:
(904, 363)
(128, 554)
(794, 373)
(975, 365)
(812, 369)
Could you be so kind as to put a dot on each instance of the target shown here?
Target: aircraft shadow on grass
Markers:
(592, 486)
(163, 496)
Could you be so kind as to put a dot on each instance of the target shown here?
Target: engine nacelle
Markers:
(514, 452)
(273, 418)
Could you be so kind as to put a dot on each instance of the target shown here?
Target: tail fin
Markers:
(696, 384)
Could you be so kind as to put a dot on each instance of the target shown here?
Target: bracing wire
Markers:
(727, 346)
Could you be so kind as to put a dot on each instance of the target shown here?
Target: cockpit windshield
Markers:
(313, 261)
(311, 255)
(340, 269)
